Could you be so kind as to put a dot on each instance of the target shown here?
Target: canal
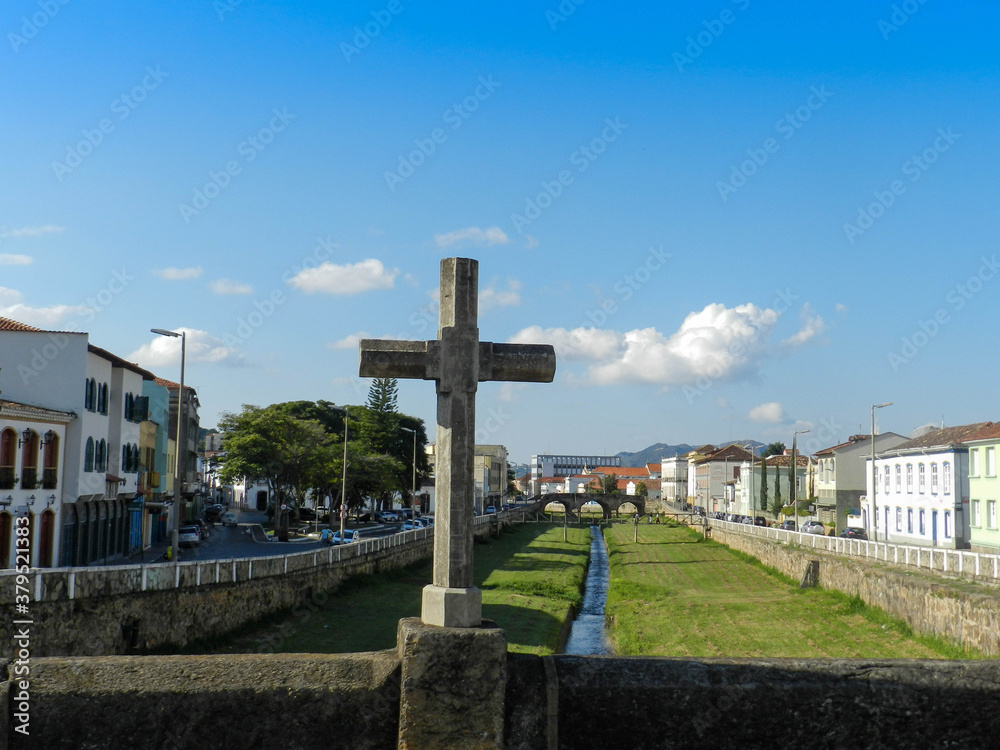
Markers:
(588, 636)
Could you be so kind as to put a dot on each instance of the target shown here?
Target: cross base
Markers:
(452, 608)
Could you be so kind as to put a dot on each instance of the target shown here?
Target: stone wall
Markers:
(956, 611)
(158, 607)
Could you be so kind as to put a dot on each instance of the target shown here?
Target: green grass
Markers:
(676, 594)
(529, 577)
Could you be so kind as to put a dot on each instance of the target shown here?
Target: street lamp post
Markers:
(180, 434)
(343, 481)
(794, 489)
(874, 524)
(753, 504)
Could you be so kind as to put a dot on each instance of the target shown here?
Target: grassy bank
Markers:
(675, 594)
(530, 580)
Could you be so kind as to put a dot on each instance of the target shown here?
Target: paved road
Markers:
(226, 542)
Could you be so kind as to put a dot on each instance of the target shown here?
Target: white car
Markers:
(188, 536)
(813, 527)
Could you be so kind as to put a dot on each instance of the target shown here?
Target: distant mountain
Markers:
(654, 453)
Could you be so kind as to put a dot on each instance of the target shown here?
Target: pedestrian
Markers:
(326, 536)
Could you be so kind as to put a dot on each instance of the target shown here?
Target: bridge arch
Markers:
(610, 504)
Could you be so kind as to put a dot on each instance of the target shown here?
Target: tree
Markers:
(641, 490)
(763, 486)
(511, 482)
(774, 449)
(610, 484)
(270, 445)
(777, 490)
(380, 421)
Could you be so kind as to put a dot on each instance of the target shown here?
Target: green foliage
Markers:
(777, 488)
(763, 487)
(773, 449)
(641, 490)
(610, 484)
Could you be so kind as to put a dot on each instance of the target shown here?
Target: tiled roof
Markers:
(989, 432)
(622, 471)
(856, 439)
(27, 410)
(6, 324)
(944, 437)
(800, 460)
(730, 451)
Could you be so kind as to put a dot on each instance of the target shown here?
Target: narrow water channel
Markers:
(587, 635)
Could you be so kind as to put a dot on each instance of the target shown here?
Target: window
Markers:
(886, 475)
(991, 462)
(947, 478)
(101, 455)
(899, 519)
(921, 478)
(90, 395)
(923, 527)
(973, 462)
(947, 524)
(8, 455)
(974, 512)
(129, 403)
(909, 520)
(991, 513)
(934, 479)
(909, 477)
(88, 461)
(899, 478)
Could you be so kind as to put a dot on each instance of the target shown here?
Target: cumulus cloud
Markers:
(841, 308)
(490, 296)
(350, 342)
(472, 236)
(228, 286)
(15, 260)
(12, 306)
(351, 278)
(199, 346)
(178, 274)
(716, 342)
(770, 413)
(812, 325)
(32, 231)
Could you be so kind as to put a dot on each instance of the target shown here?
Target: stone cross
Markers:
(457, 360)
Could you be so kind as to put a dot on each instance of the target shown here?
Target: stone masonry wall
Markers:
(957, 612)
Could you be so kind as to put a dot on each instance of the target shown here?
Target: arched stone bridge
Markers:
(611, 504)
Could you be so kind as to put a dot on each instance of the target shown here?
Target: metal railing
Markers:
(58, 584)
(934, 559)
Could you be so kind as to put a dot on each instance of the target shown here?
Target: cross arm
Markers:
(524, 363)
(382, 358)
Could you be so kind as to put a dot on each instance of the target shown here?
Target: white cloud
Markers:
(473, 235)
(771, 413)
(32, 231)
(812, 325)
(12, 306)
(199, 346)
(841, 308)
(350, 342)
(530, 242)
(490, 296)
(347, 279)
(15, 260)
(228, 286)
(578, 344)
(178, 274)
(717, 342)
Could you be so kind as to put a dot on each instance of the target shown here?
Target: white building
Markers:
(921, 494)
(674, 480)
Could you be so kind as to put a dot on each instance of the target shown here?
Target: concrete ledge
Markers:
(451, 608)
(768, 703)
(245, 701)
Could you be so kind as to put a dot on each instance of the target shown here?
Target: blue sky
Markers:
(733, 219)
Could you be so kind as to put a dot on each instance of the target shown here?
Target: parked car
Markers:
(350, 535)
(229, 518)
(188, 536)
(814, 527)
(852, 532)
(787, 525)
(385, 516)
(759, 521)
(202, 527)
(491, 509)
(214, 512)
